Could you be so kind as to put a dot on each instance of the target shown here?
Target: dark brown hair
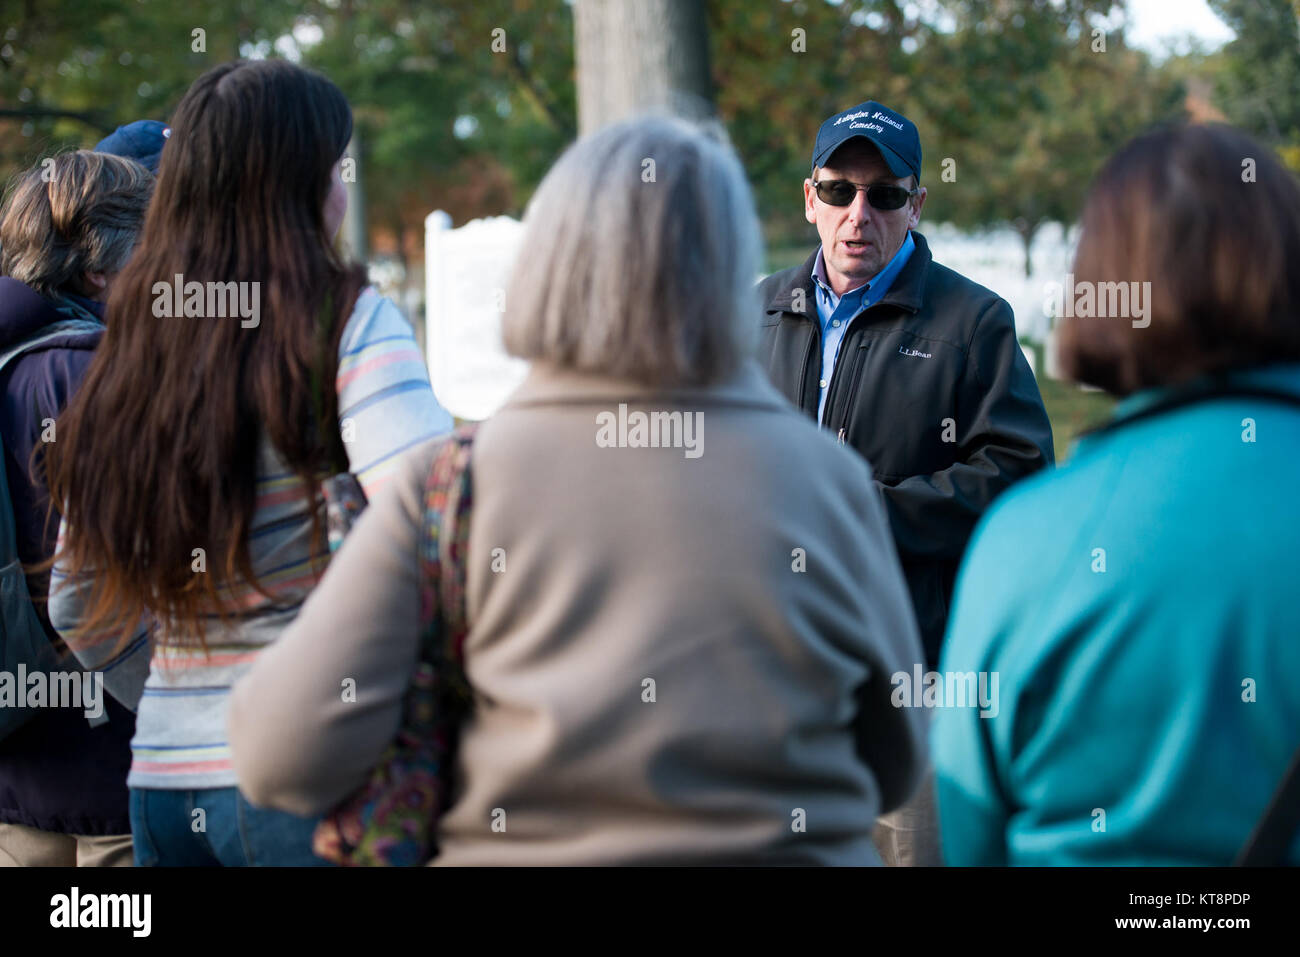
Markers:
(157, 451)
(74, 213)
(1211, 218)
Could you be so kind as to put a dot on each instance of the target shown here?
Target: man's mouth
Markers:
(855, 245)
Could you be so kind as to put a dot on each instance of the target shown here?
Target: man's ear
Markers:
(917, 202)
(95, 284)
(809, 201)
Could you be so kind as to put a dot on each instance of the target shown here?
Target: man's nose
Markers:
(859, 208)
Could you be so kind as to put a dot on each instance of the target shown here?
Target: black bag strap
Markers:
(45, 335)
(1268, 844)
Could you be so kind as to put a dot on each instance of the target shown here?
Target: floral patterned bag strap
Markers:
(444, 548)
(392, 819)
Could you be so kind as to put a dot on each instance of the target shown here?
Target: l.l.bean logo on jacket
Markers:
(914, 352)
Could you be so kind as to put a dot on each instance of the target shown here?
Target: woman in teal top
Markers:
(1141, 605)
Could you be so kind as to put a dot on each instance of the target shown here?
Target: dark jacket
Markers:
(931, 387)
(57, 773)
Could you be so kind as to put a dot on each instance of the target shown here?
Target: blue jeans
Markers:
(167, 830)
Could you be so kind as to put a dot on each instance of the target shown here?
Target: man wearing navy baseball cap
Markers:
(913, 365)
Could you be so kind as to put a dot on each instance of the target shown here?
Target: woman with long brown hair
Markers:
(245, 362)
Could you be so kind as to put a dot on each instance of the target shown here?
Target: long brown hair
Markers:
(157, 452)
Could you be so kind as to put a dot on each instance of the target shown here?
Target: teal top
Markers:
(1141, 608)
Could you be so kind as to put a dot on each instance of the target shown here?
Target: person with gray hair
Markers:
(664, 274)
(679, 650)
(67, 228)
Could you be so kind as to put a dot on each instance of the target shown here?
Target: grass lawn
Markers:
(1071, 410)
(783, 257)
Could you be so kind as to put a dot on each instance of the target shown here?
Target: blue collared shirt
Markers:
(834, 313)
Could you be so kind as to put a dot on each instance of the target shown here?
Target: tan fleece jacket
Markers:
(680, 655)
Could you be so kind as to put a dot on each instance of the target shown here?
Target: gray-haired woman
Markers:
(684, 606)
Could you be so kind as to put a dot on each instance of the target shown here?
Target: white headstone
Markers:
(1052, 362)
(996, 259)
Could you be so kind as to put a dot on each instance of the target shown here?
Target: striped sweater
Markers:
(386, 406)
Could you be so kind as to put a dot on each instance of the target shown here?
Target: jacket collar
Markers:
(906, 292)
(1280, 376)
(24, 313)
(1153, 403)
(73, 306)
(546, 384)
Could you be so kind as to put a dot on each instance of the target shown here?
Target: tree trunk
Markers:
(635, 56)
(1027, 230)
(400, 230)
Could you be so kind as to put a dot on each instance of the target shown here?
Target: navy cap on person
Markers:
(891, 132)
(141, 141)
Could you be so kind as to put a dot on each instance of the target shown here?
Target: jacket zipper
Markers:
(858, 359)
(835, 376)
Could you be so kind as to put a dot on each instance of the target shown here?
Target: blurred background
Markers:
(462, 105)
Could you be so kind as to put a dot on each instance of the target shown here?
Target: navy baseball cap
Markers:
(892, 133)
(141, 141)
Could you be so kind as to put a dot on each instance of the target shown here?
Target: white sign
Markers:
(466, 272)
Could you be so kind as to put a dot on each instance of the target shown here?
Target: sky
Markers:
(1151, 23)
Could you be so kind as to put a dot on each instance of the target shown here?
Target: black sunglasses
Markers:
(840, 192)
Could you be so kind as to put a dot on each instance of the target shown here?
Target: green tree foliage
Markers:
(1258, 76)
(71, 71)
(1029, 100)
(1016, 109)
(781, 68)
(463, 104)
(450, 113)
(458, 104)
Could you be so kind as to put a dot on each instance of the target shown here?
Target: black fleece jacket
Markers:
(931, 387)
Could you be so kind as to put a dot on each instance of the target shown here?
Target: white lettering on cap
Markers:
(852, 116)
